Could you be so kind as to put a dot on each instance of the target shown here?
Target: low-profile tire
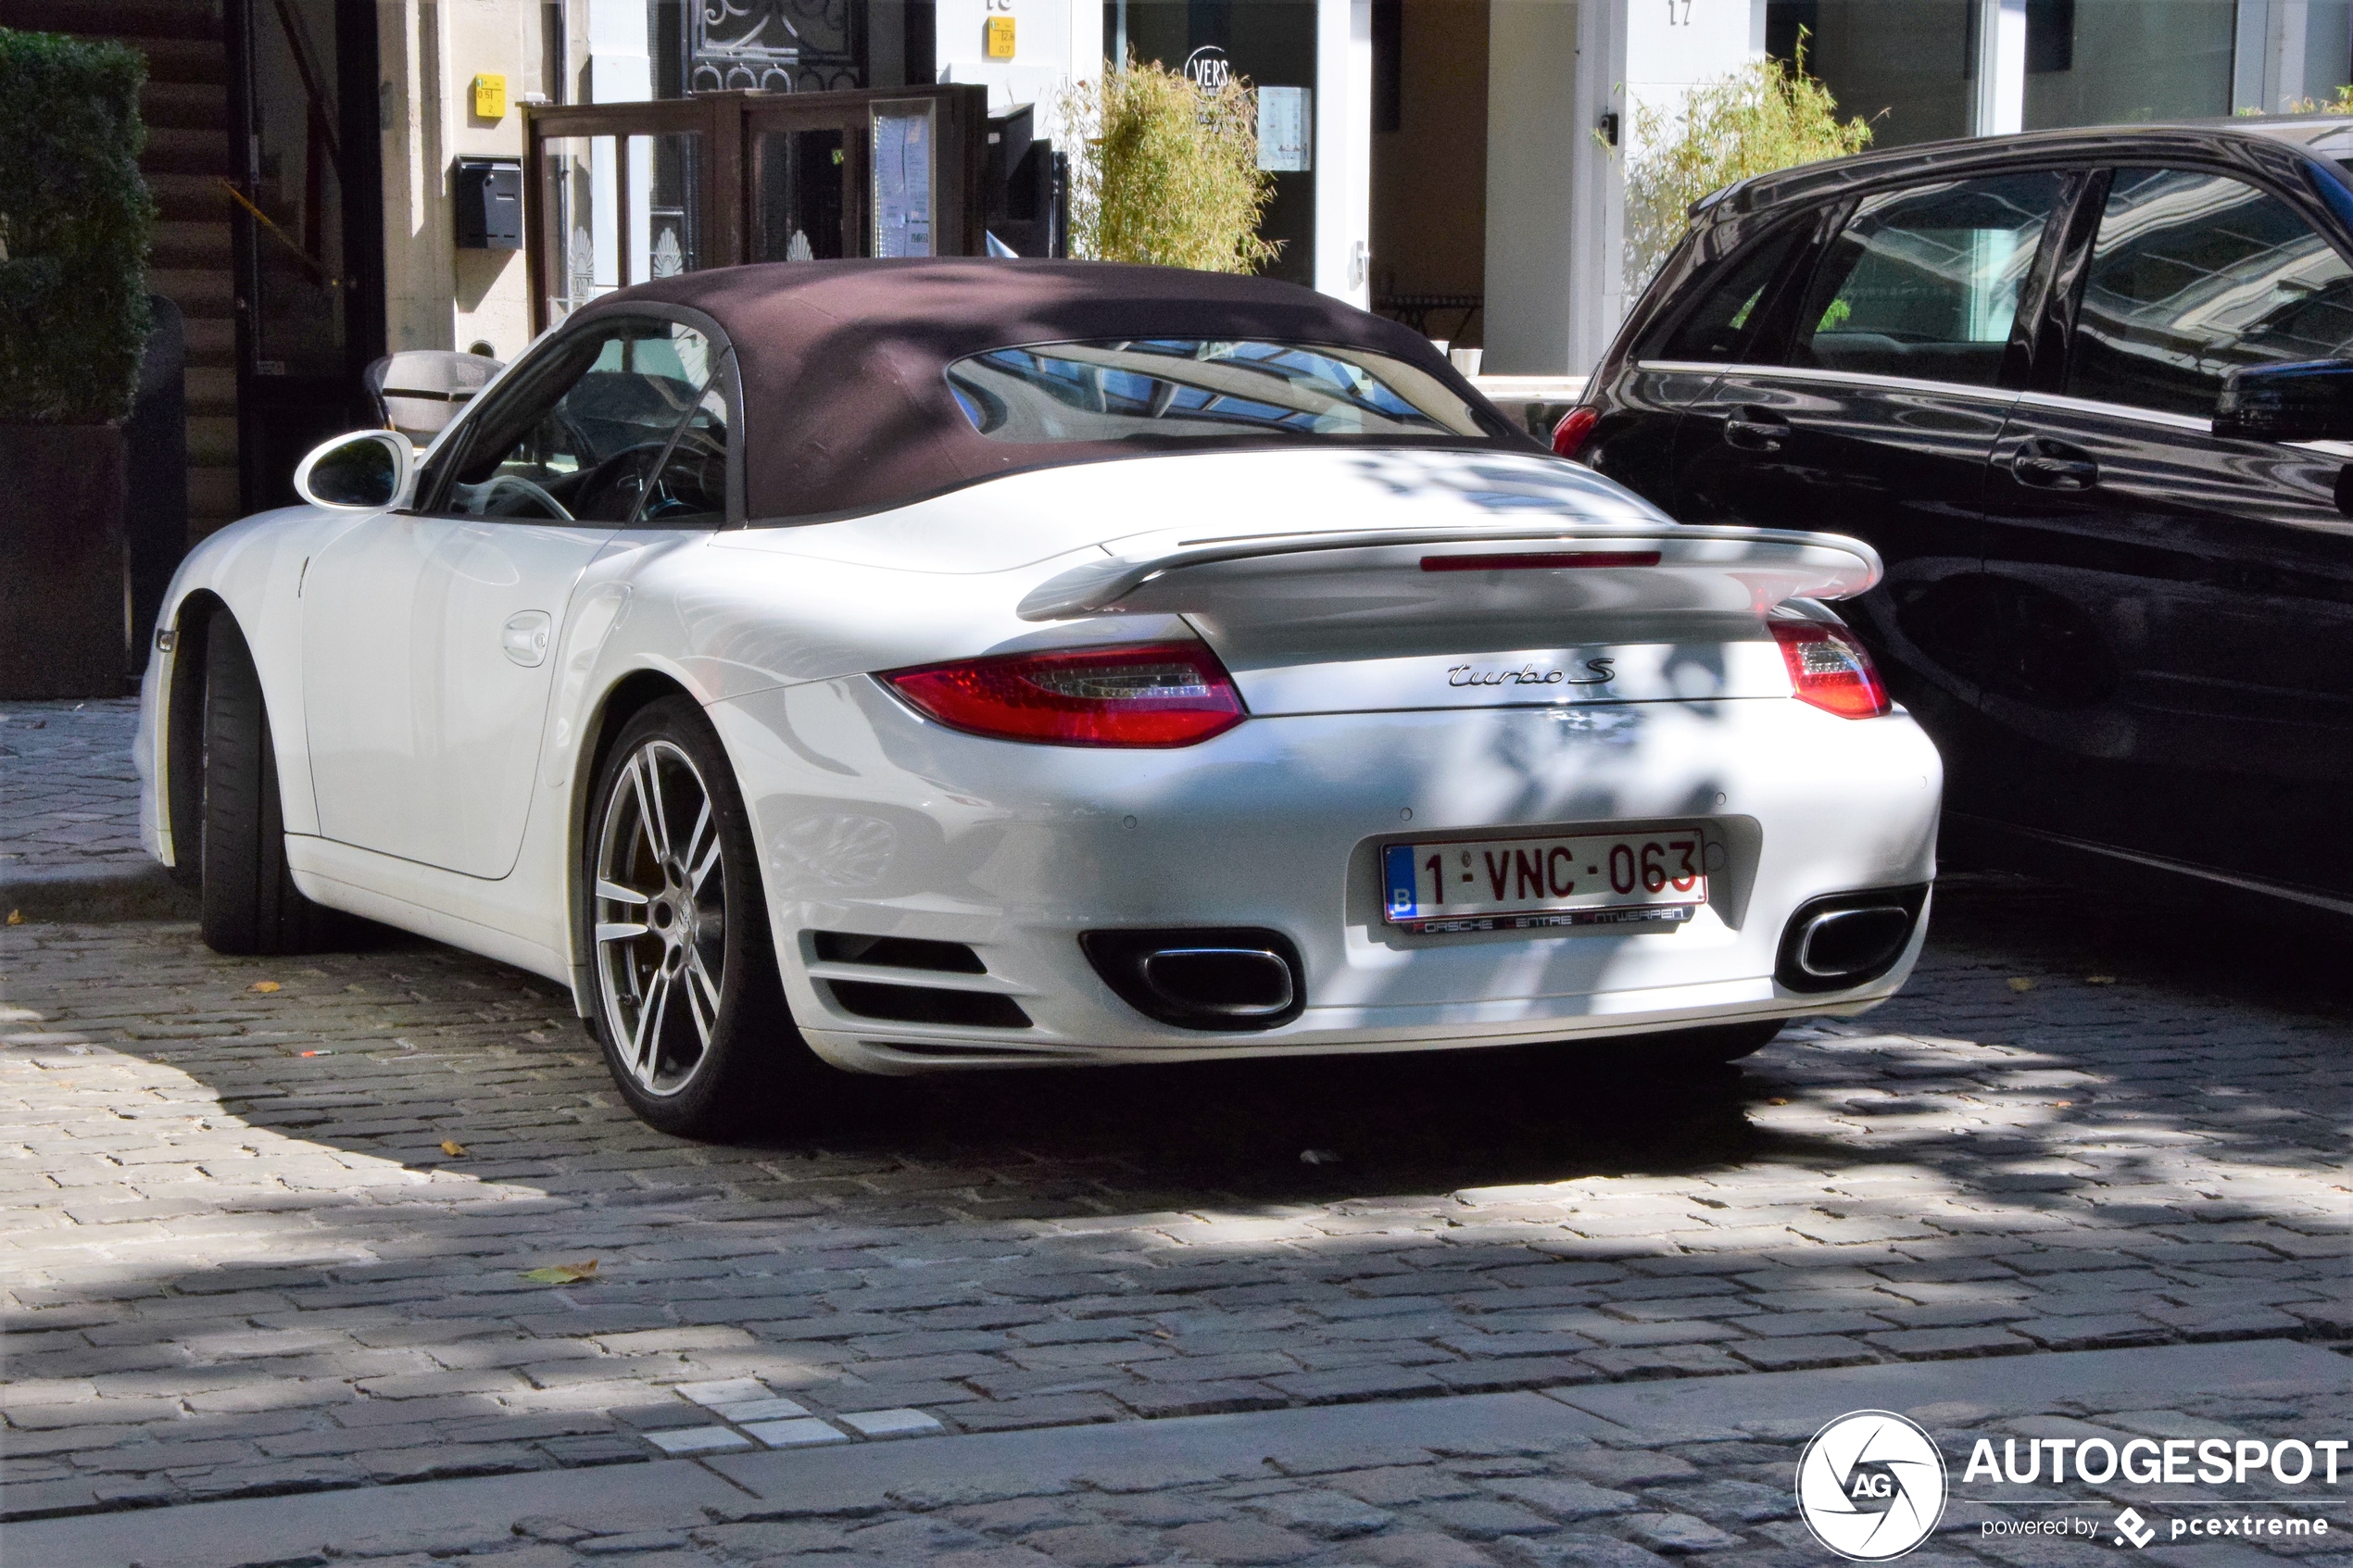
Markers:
(1689, 1048)
(686, 998)
(247, 898)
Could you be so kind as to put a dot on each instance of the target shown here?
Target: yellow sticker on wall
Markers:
(490, 97)
(1001, 38)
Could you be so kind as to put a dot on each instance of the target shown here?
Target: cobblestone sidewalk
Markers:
(1566, 1504)
(68, 796)
(270, 1223)
(1594, 1478)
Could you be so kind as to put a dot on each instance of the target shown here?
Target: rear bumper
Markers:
(873, 821)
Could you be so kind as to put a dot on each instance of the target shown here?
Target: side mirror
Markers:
(2309, 400)
(362, 473)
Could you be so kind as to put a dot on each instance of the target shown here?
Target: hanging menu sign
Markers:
(904, 146)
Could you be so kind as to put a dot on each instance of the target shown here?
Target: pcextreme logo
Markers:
(1871, 1486)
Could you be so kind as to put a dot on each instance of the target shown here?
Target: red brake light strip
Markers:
(1543, 562)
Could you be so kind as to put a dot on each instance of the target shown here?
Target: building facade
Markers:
(1465, 158)
(1459, 164)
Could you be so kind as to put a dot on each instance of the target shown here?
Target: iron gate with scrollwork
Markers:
(774, 45)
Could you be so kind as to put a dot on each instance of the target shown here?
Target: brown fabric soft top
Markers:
(847, 407)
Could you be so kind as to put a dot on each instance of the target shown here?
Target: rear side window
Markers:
(1924, 282)
(1190, 388)
(2194, 275)
(1723, 327)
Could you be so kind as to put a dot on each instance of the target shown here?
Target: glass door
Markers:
(803, 206)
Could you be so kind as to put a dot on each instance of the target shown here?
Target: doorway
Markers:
(306, 201)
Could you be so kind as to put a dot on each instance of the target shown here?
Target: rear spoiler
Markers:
(1668, 567)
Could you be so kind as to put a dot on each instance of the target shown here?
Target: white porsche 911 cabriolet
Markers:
(905, 665)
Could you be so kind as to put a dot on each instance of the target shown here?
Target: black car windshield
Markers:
(1190, 388)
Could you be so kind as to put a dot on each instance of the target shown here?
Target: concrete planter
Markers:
(64, 607)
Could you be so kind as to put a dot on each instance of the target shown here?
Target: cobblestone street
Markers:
(269, 1221)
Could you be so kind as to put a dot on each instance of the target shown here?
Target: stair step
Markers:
(119, 19)
(210, 389)
(212, 340)
(183, 60)
(212, 441)
(178, 244)
(216, 486)
(185, 105)
(198, 291)
(174, 151)
(188, 198)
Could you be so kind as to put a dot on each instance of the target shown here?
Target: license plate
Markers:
(1528, 883)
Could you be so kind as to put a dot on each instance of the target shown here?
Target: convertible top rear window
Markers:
(1190, 388)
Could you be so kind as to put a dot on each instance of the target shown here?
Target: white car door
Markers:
(429, 636)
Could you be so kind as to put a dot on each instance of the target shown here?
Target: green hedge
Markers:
(74, 223)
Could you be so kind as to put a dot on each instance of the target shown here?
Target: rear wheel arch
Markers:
(622, 701)
(180, 792)
(247, 898)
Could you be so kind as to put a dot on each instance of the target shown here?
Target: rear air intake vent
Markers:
(1231, 979)
(898, 952)
(927, 1004)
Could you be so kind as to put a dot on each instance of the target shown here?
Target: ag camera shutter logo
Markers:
(1871, 1486)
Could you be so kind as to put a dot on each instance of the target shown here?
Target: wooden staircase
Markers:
(186, 109)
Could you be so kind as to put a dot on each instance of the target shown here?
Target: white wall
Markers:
(1671, 47)
(1055, 42)
(1535, 139)
(430, 52)
(1344, 149)
(1555, 207)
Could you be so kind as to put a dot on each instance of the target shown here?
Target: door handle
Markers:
(524, 638)
(1754, 429)
(2054, 465)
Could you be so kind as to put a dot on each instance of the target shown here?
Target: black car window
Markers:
(1723, 326)
(2194, 275)
(1923, 283)
(575, 436)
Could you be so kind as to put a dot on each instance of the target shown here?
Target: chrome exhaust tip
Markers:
(1228, 980)
(1848, 939)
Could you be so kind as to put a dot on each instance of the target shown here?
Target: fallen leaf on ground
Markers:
(2020, 983)
(16, 917)
(1317, 1157)
(1777, 1101)
(562, 1273)
(265, 987)
(2062, 1104)
(2099, 980)
(453, 1148)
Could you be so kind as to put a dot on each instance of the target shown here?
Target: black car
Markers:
(2089, 394)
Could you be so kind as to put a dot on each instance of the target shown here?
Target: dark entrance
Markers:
(305, 195)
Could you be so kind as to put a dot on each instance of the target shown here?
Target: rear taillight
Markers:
(1163, 694)
(1830, 670)
(1575, 429)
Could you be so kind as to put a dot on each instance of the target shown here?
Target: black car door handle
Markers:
(1755, 429)
(2054, 465)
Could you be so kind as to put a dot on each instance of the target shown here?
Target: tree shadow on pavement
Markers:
(244, 1257)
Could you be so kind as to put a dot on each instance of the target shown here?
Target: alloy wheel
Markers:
(659, 917)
